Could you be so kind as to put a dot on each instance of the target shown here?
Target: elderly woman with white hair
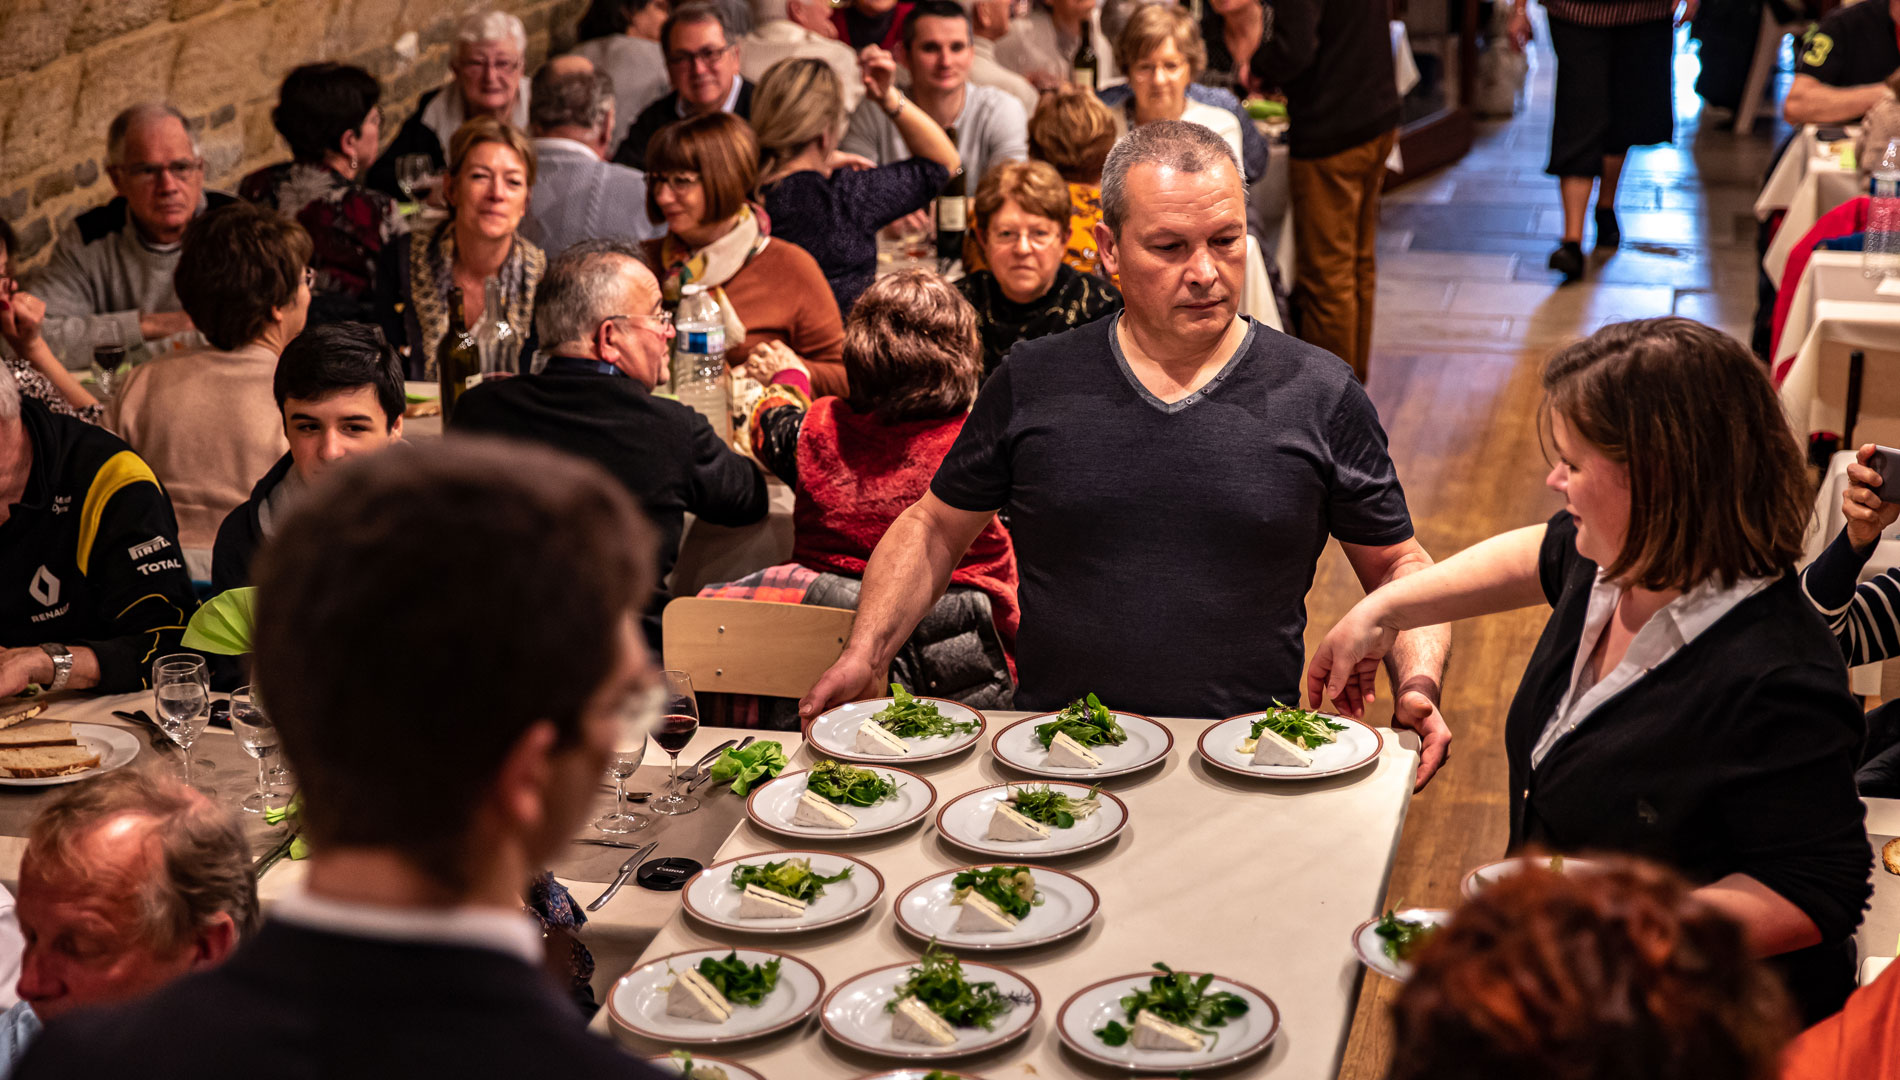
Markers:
(486, 67)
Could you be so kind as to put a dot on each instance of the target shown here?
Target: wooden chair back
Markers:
(753, 646)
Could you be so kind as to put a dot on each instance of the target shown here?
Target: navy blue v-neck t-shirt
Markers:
(1165, 550)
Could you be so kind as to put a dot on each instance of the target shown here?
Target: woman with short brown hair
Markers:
(1074, 131)
(1685, 702)
(1162, 53)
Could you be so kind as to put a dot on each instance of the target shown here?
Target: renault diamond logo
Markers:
(45, 588)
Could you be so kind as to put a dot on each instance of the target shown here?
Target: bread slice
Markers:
(20, 713)
(37, 761)
(49, 733)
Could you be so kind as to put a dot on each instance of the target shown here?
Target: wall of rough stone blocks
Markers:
(67, 66)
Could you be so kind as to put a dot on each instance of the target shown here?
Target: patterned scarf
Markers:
(432, 263)
(713, 266)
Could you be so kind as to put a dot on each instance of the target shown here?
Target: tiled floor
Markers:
(1462, 251)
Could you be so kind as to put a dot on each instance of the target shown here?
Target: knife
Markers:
(706, 774)
(608, 843)
(626, 871)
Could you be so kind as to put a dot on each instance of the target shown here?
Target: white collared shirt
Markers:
(732, 98)
(1667, 632)
(512, 932)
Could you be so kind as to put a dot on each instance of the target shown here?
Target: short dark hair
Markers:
(319, 103)
(237, 263)
(718, 146)
(1601, 975)
(608, 18)
(338, 357)
(1718, 484)
(689, 13)
(540, 558)
(911, 350)
(934, 9)
(568, 99)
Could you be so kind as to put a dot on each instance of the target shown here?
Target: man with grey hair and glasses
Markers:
(578, 193)
(598, 314)
(109, 281)
(1172, 475)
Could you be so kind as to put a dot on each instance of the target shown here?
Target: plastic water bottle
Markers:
(699, 359)
(1881, 256)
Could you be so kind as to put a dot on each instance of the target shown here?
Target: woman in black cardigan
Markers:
(1685, 702)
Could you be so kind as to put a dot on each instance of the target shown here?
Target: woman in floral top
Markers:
(34, 367)
(329, 115)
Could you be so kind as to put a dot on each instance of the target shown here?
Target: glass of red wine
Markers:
(679, 719)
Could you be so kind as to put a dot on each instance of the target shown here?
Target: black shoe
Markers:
(1608, 234)
(1568, 260)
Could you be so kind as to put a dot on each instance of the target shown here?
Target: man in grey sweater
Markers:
(109, 280)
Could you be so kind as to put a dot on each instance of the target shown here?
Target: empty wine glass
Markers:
(631, 727)
(679, 719)
(181, 693)
(412, 174)
(258, 736)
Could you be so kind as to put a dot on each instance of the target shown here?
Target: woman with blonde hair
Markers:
(828, 203)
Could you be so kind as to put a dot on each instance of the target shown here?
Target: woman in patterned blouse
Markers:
(27, 356)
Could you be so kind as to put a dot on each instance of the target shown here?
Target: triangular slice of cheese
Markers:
(761, 903)
(875, 738)
(1008, 825)
(816, 812)
(1066, 753)
(982, 916)
(913, 1022)
(1274, 750)
(693, 998)
(1153, 1033)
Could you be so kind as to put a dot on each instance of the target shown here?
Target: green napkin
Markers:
(223, 625)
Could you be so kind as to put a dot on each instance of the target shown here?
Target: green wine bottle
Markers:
(458, 358)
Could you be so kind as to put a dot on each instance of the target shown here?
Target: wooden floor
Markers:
(1466, 315)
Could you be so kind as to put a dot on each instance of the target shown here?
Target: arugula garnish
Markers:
(788, 877)
(1011, 888)
(1087, 721)
(742, 983)
(696, 1072)
(908, 717)
(937, 981)
(1178, 998)
(1303, 728)
(1403, 937)
(750, 767)
(841, 783)
(1052, 807)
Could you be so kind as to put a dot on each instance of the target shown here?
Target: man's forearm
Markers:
(908, 571)
(1814, 102)
(1417, 659)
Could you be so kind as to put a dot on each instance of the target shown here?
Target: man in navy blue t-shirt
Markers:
(1172, 475)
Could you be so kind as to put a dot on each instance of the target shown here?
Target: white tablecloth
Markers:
(1836, 311)
(1807, 183)
(1261, 881)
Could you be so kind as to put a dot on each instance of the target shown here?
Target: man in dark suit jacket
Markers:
(702, 63)
(466, 611)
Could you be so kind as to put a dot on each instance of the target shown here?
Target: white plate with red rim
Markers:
(1353, 748)
(835, 733)
(1148, 743)
(921, 1074)
(638, 1000)
(772, 805)
(1477, 880)
(855, 1014)
(965, 821)
(1090, 1009)
(710, 897)
(1370, 947)
(115, 746)
(1068, 906)
(672, 1066)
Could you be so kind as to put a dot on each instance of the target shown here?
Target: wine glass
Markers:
(258, 736)
(412, 173)
(679, 718)
(631, 728)
(181, 693)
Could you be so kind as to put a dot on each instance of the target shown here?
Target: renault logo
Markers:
(45, 587)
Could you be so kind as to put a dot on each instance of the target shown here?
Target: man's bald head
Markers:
(569, 98)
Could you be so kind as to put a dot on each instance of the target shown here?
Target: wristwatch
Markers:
(62, 665)
(892, 110)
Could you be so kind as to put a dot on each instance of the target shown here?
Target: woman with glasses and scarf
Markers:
(770, 291)
(491, 51)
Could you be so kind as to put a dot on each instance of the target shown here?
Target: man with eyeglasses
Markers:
(702, 62)
(599, 309)
(109, 281)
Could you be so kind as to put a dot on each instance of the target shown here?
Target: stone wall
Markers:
(67, 66)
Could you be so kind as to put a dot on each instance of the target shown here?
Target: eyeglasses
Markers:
(664, 328)
(706, 57)
(679, 181)
(477, 66)
(181, 171)
(1039, 239)
(309, 277)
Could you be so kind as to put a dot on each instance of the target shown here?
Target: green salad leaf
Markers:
(1178, 998)
(1403, 937)
(788, 877)
(908, 717)
(1051, 807)
(1087, 721)
(1303, 728)
(750, 767)
(937, 981)
(1011, 888)
(841, 783)
(742, 983)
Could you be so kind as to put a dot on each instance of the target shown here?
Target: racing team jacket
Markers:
(89, 555)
